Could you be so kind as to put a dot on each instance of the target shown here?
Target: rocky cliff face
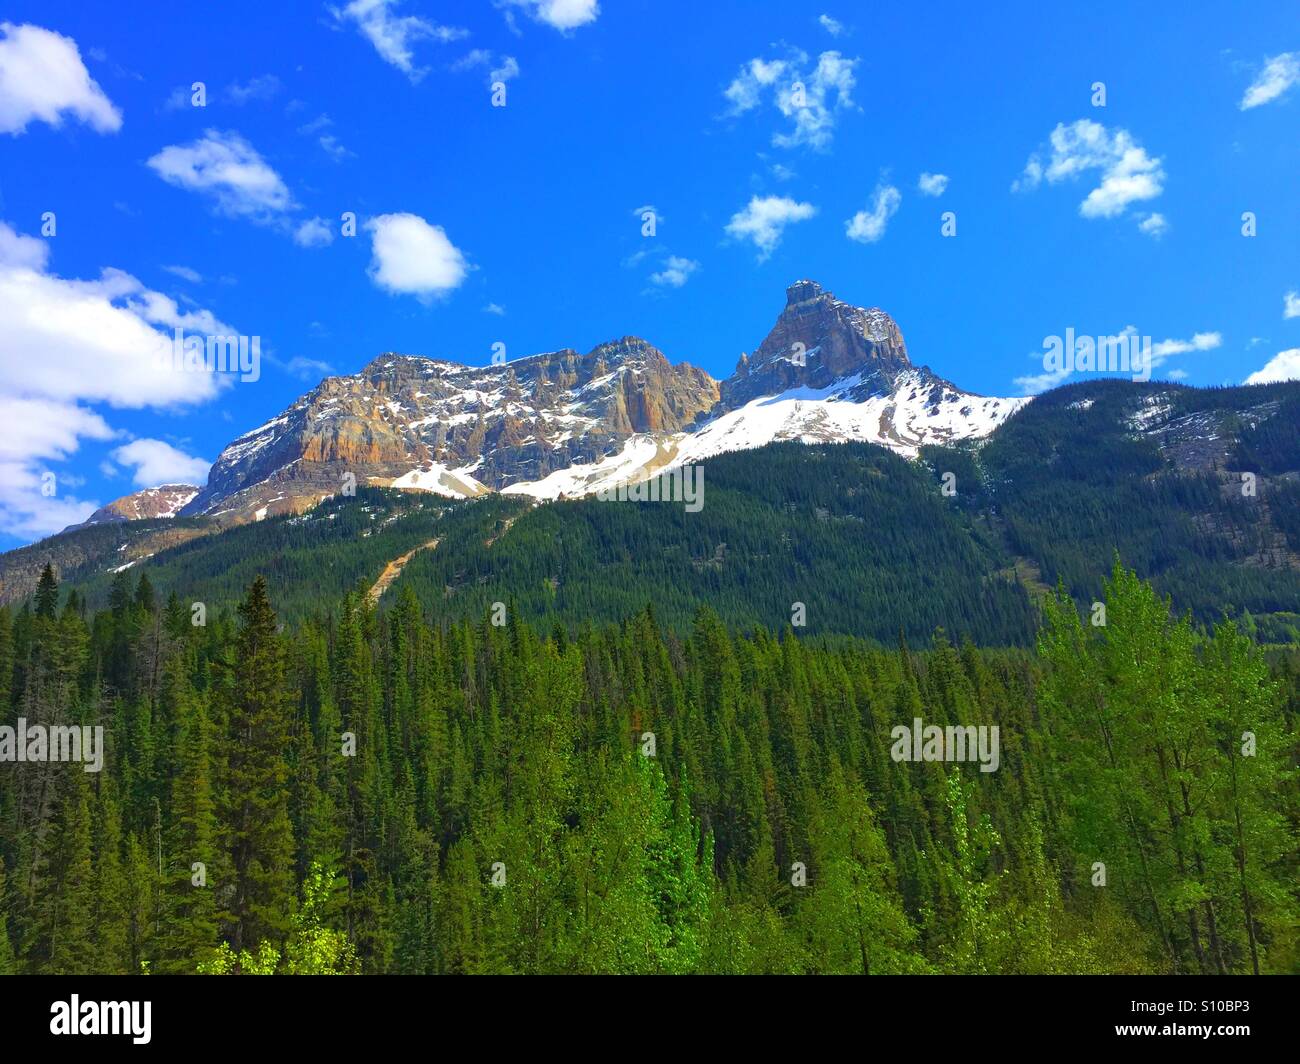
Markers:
(166, 500)
(562, 423)
(816, 341)
(458, 430)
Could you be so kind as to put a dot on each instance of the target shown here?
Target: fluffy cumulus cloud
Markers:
(810, 99)
(411, 257)
(831, 25)
(156, 462)
(868, 226)
(676, 272)
(1284, 366)
(313, 233)
(1291, 305)
(1273, 81)
(227, 169)
(394, 36)
(1154, 224)
(42, 79)
(561, 14)
(1126, 173)
(71, 344)
(932, 184)
(764, 219)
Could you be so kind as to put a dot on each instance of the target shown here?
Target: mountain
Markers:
(563, 424)
(1198, 490)
(166, 500)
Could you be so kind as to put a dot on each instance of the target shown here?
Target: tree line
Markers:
(394, 791)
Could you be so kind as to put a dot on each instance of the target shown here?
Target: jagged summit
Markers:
(565, 423)
(165, 500)
(801, 292)
(817, 340)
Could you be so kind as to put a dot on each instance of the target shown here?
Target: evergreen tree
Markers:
(259, 835)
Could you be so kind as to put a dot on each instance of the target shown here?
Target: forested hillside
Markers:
(1197, 489)
(405, 792)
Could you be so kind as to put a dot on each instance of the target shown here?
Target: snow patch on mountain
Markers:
(917, 413)
(451, 483)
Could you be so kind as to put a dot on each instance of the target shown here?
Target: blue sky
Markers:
(521, 224)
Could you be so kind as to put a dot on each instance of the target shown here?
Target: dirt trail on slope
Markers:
(394, 569)
(504, 529)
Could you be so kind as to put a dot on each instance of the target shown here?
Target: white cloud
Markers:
(1291, 305)
(932, 184)
(508, 69)
(320, 122)
(179, 98)
(17, 250)
(1161, 352)
(764, 220)
(254, 89)
(313, 233)
(473, 58)
(746, 91)
(1128, 174)
(334, 148)
(42, 79)
(394, 35)
(503, 69)
(833, 26)
(495, 309)
(1177, 374)
(561, 14)
(867, 227)
(1278, 75)
(185, 273)
(1284, 366)
(67, 344)
(227, 168)
(1154, 224)
(410, 256)
(811, 100)
(156, 462)
(1041, 382)
(308, 369)
(675, 273)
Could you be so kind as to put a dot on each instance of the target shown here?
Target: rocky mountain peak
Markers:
(818, 340)
(166, 500)
(801, 292)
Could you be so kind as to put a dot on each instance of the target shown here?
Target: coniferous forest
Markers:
(392, 791)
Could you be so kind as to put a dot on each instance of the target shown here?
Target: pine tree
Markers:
(68, 906)
(256, 794)
(110, 917)
(8, 965)
(47, 593)
(195, 871)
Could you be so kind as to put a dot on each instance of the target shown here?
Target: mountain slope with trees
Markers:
(402, 793)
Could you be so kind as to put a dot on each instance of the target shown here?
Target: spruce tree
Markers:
(256, 796)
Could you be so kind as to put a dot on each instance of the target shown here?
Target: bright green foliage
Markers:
(400, 791)
(1176, 757)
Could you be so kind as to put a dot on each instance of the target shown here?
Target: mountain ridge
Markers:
(563, 424)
